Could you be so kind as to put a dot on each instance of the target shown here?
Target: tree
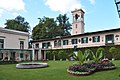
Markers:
(80, 57)
(50, 28)
(101, 50)
(45, 29)
(113, 51)
(18, 23)
(54, 54)
(49, 54)
(62, 55)
(64, 25)
(98, 55)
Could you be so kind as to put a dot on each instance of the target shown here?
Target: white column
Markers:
(44, 55)
(9, 56)
(39, 54)
(33, 54)
(4, 55)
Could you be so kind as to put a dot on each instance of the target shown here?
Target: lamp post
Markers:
(117, 2)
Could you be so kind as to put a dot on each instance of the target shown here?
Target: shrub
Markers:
(62, 55)
(8, 62)
(113, 51)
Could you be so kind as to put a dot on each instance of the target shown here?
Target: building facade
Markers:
(92, 39)
(78, 39)
(14, 45)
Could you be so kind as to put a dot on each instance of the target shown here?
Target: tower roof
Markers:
(76, 10)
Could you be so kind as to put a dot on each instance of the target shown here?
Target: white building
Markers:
(14, 45)
(78, 39)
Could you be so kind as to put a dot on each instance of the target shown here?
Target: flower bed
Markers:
(78, 73)
(89, 68)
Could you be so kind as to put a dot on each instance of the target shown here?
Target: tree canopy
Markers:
(50, 28)
(18, 23)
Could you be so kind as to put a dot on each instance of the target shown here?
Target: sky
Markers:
(99, 14)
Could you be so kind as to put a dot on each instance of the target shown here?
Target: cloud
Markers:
(15, 14)
(92, 1)
(11, 5)
(63, 6)
(1, 12)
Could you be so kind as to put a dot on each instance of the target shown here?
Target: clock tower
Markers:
(78, 21)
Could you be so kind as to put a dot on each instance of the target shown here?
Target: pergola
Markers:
(117, 2)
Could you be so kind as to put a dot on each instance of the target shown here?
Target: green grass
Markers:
(55, 71)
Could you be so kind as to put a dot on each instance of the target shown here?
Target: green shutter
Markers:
(86, 39)
(98, 39)
(112, 38)
(93, 39)
(81, 40)
(21, 55)
(76, 41)
(72, 41)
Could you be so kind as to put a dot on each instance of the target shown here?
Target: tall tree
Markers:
(50, 28)
(45, 29)
(18, 23)
(64, 24)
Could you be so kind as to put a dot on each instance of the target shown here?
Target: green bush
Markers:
(8, 62)
(67, 52)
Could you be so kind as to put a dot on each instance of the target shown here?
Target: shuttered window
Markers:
(65, 42)
(96, 38)
(1, 43)
(74, 41)
(84, 40)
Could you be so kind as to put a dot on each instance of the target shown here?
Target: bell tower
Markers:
(78, 21)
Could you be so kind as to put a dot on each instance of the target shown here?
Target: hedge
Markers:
(8, 62)
(66, 52)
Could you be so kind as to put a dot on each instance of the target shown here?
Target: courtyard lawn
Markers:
(55, 71)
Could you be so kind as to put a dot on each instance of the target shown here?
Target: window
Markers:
(109, 38)
(96, 38)
(84, 40)
(74, 41)
(59, 42)
(45, 45)
(21, 44)
(1, 43)
(21, 55)
(65, 42)
(36, 45)
(76, 25)
(55, 43)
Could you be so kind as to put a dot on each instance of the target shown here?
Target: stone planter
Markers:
(31, 65)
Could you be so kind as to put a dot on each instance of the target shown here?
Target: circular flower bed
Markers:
(89, 68)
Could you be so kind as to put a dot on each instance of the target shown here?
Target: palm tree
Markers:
(98, 55)
(81, 58)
